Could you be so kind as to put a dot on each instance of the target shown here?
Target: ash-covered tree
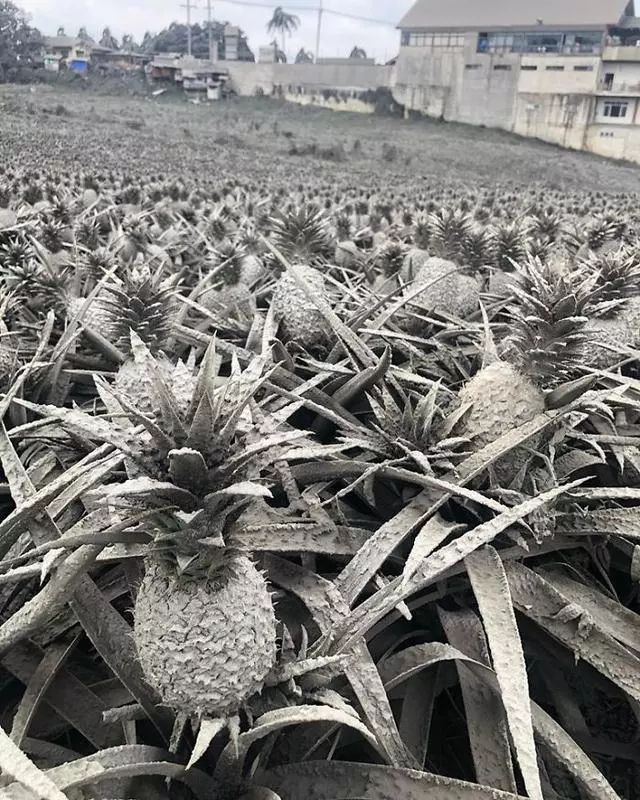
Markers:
(304, 57)
(20, 44)
(147, 42)
(174, 40)
(129, 44)
(108, 40)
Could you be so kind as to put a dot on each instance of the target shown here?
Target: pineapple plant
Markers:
(614, 305)
(545, 345)
(204, 620)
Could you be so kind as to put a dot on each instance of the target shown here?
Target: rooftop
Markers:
(62, 41)
(521, 14)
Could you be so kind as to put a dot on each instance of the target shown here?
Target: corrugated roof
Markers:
(481, 14)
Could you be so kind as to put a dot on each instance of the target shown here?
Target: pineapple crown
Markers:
(227, 259)
(301, 234)
(142, 303)
(390, 257)
(613, 277)
(509, 244)
(547, 338)
(207, 449)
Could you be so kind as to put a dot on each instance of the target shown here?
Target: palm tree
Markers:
(283, 23)
(358, 52)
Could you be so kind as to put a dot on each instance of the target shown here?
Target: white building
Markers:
(565, 71)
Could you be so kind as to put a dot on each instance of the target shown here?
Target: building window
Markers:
(503, 67)
(616, 109)
(583, 68)
(472, 66)
(540, 42)
(448, 40)
(528, 67)
(554, 68)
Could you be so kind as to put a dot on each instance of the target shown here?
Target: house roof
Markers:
(522, 14)
(61, 41)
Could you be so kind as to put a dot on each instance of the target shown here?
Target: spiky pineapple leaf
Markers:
(209, 729)
(15, 764)
(326, 780)
(574, 627)
(129, 761)
(486, 721)
(609, 614)
(491, 589)
(230, 764)
(591, 782)
(432, 534)
(69, 698)
(40, 681)
(440, 562)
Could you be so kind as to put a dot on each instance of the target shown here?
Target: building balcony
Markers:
(618, 88)
(621, 53)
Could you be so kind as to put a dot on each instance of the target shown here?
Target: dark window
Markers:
(616, 109)
(503, 67)
(540, 42)
(472, 66)
(528, 68)
(554, 68)
(583, 68)
(608, 80)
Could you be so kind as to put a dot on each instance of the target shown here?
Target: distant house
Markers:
(70, 52)
(198, 77)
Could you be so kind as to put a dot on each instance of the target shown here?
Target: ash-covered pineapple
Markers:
(300, 319)
(230, 292)
(204, 621)
(545, 345)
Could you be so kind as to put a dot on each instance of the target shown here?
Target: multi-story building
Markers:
(565, 71)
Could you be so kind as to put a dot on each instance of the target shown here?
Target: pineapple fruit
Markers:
(206, 643)
(300, 319)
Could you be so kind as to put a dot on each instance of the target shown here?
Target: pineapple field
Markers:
(320, 450)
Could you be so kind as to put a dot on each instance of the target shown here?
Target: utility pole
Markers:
(320, 12)
(188, 5)
(210, 31)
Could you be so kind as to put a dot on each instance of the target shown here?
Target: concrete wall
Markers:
(542, 74)
(557, 118)
(458, 84)
(614, 141)
(247, 78)
(352, 104)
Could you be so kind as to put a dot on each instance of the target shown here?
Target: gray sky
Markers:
(124, 16)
